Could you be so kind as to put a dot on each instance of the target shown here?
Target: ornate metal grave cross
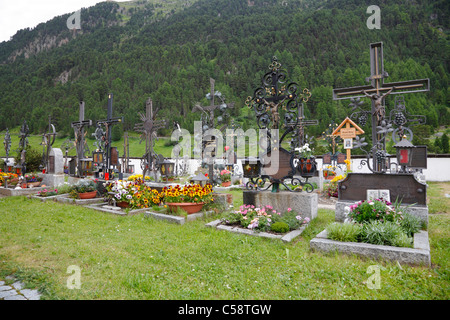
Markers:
(48, 139)
(377, 90)
(108, 123)
(301, 124)
(149, 127)
(7, 144)
(23, 143)
(267, 101)
(80, 141)
(208, 123)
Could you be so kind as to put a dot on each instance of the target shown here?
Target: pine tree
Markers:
(444, 143)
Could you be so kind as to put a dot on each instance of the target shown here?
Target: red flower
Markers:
(206, 174)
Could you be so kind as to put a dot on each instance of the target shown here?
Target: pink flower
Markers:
(289, 209)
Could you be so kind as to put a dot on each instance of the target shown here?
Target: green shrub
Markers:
(348, 232)
(280, 227)
(410, 224)
(385, 233)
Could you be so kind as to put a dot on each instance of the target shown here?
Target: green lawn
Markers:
(133, 257)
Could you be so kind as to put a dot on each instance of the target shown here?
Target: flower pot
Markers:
(186, 206)
(226, 184)
(33, 184)
(123, 204)
(87, 195)
(307, 167)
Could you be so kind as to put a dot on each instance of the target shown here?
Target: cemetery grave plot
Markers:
(418, 255)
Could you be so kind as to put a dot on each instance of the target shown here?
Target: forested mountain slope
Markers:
(135, 50)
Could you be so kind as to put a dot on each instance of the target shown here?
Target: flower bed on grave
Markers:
(133, 194)
(377, 222)
(265, 219)
(11, 178)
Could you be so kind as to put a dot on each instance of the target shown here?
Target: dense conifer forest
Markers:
(137, 50)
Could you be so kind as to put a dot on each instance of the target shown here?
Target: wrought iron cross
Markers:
(7, 144)
(301, 124)
(208, 122)
(48, 139)
(23, 143)
(80, 142)
(149, 127)
(377, 90)
(108, 123)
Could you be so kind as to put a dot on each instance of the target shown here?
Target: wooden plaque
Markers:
(326, 158)
(114, 157)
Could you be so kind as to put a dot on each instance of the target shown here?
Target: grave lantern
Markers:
(229, 166)
(404, 152)
(200, 179)
(86, 167)
(167, 168)
(9, 167)
(18, 169)
(251, 167)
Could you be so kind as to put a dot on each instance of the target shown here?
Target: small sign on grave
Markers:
(348, 130)
(373, 194)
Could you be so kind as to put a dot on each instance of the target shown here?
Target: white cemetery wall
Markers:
(438, 168)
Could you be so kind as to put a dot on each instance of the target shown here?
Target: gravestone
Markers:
(55, 174)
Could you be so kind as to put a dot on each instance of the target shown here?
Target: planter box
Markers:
(65, 198)
(419, 255)
(177, 219)
(50, 198)
(114, 210)
(287, 237)
(19, 192)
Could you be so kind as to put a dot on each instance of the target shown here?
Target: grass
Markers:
(133, 257)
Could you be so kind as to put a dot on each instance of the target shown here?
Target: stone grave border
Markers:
(419, 255)
(288, 237)
(178, 219)
(20, 192)
(104, 207)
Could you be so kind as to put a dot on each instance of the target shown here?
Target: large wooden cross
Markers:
(80, 141)
(108, 123)
(377, 90)
(148, 128)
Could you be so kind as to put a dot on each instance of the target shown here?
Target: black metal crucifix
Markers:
(7, 144)
(209, 146)
(48, 139)
(301, 124)
(377, 91)
(23, 143)
(80, 142)
(149, 127)
(108, 123)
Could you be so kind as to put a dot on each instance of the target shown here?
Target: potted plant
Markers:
(84, 189)
(190, 198)
(225, 177)
(32, 180)
(307, 163)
